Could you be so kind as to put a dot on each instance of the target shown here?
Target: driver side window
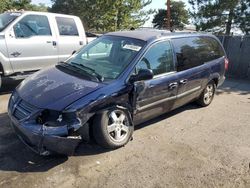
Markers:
(159, 58)
(32, 25)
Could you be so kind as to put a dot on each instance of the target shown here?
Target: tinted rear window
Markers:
(195, 51)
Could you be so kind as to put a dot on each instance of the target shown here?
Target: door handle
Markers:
(15, 54)
(184, 81)
(52, 42)
(173, 85)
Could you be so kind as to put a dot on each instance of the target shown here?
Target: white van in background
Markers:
(31, 40)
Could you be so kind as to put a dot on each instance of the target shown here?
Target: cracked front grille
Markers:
(19, 108)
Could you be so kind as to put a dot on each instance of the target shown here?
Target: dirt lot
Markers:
(190, 147)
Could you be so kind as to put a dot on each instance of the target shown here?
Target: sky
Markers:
(156, 4)
(47, 2)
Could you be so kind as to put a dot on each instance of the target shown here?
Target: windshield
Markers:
(7, 18)
(107, 57)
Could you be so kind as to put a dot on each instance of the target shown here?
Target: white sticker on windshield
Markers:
(132, 47)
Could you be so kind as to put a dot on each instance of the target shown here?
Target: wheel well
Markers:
(216, 80)
(1, 69)
(91, 120)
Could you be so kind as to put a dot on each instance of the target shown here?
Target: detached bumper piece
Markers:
(44, 141)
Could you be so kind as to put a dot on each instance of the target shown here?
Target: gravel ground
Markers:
(189, 147)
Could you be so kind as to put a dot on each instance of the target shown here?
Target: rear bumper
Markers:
(33, 136)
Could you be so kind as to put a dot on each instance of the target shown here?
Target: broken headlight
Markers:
(50, 118)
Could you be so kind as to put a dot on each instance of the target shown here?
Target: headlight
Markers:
(52, 118)
(47, 115)
(72, 119)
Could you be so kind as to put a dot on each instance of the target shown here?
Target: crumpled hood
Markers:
(54, 89)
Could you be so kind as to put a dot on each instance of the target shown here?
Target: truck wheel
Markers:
(207, 95)
(112, 128)
(0, 81)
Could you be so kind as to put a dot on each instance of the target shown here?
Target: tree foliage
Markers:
(105, 15)
(20, 4)
(179, 16)
(5, 5)
(220, 16)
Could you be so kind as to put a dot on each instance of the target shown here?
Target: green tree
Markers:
(40, 7)
(105, 15)
(20, 4)
(220, 16)
(243, 16)
(179, 16)
(5, 5)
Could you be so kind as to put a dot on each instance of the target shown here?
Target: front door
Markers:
(156, 96)
(30, 44)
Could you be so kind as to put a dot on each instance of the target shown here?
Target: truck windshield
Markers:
(108, 56)
(7, 18)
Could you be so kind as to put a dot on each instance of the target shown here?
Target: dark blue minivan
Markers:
(114, 83)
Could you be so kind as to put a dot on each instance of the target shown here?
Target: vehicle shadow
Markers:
(90, 148)
(241, 87)
(9, 86)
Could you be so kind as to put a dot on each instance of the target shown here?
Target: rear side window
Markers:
(67, 26)
(214, 49)
(32, 25)
(159, 58)
(195, 51)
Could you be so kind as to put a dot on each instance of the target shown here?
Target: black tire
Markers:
(0, 81)
(103, 125)
(207, 95)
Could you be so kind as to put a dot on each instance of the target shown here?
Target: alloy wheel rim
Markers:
(118, 126)
(209, 93)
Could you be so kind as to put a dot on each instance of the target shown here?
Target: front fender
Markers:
(104, 99)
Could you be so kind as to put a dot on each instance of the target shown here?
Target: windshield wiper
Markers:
(98, 76)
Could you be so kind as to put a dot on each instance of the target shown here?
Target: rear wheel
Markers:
(207, 95)
(112, 128)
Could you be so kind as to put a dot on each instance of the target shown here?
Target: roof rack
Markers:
(187, 29)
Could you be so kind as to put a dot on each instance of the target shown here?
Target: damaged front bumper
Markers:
(40, 140)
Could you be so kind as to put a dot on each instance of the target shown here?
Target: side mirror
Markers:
(143, 74)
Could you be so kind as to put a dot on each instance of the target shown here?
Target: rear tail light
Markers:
(226, 63)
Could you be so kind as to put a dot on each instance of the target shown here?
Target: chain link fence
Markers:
(238, 52)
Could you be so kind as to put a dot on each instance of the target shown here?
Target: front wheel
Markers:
(112, 128)
(207, 95)
(0, 81)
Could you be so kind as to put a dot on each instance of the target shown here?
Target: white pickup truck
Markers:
(30, 41)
